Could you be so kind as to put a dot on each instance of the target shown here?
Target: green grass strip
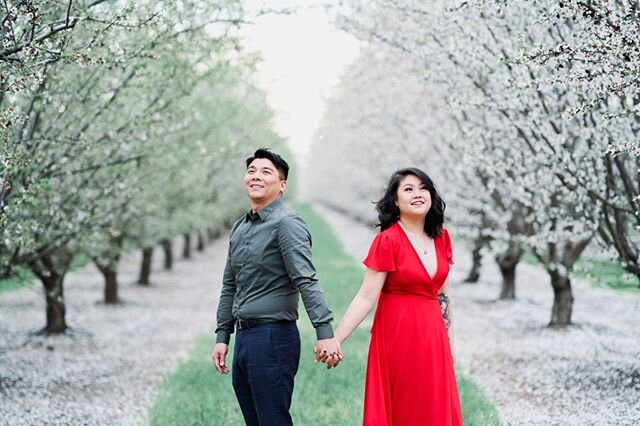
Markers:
(601, 273)
(195, 394)
(607, 274)
(23, 277)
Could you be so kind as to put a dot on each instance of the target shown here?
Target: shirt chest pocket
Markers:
(245, 256)
(252, 252)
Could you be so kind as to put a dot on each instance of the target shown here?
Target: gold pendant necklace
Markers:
(424, 250)
(415, 242)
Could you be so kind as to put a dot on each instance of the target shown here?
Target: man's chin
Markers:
(252, 193)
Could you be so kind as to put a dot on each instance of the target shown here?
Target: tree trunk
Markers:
(145, 268)
(508, 261)
(110, 275)
(200, 246)
(213, 233)
(56, 310)
(51, 270)
(632, 268)
(476, 255)
(617, 220)
(186, 248)
(562, 299)
(168, 254)
(108, 266)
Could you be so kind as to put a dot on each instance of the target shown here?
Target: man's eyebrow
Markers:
(252, 167)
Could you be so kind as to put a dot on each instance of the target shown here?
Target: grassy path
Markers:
(195, 395)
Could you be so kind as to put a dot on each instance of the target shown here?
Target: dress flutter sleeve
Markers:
(447, 245)
(381, 254)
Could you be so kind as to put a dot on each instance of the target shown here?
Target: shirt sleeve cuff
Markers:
(324, 331)
(223, 337)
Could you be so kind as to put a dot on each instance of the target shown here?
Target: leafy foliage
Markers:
(123, 124)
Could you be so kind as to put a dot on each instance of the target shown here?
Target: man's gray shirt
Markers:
(268, 265)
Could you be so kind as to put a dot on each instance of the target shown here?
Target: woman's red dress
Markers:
(410, 376)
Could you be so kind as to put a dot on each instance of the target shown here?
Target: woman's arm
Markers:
(361, 304)
(444, 296)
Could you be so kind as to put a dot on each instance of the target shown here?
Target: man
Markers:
(268, 266)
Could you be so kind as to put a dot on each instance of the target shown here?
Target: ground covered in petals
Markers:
(585, 374)
(107, 368)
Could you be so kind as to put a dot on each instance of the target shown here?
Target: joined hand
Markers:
(329, 352)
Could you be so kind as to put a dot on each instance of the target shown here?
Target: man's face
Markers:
(262, 181)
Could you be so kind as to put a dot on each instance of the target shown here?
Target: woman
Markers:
(410, 376)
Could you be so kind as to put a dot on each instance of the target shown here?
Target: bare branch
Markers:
(51, 29)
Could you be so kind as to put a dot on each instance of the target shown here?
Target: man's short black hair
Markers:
(277, 161)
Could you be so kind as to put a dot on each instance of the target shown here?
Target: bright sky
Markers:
(304, 55)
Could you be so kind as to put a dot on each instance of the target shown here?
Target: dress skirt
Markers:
(410, 376)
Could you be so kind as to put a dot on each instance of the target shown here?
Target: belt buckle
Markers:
(241, 324)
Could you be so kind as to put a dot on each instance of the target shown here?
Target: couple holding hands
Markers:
(410, 379)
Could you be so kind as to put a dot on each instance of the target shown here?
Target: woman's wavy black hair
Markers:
(389, 213)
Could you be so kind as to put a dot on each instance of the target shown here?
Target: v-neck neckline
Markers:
(424, 267)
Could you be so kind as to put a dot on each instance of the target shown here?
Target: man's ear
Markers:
(283, 186)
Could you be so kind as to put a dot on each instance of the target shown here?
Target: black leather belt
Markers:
(242, 324)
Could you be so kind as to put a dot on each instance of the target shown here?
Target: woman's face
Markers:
(413, 197)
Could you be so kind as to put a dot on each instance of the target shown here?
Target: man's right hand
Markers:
(220, 358)
(328, 351)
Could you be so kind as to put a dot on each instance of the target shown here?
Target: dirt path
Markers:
(107, 369)
(587, 374)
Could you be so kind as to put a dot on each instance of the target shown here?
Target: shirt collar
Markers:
(251, 216)
(264, 212)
